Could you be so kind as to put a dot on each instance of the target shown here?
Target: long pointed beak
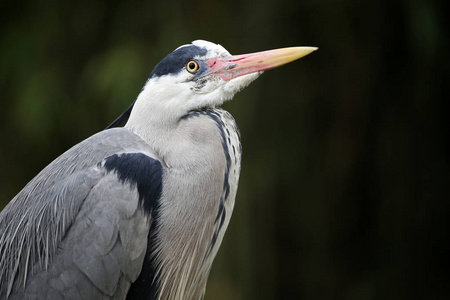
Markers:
(234, 66)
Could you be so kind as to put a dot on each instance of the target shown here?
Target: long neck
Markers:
(155, 121)
(198, 199)
(202, 153)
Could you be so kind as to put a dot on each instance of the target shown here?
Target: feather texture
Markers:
(71, 214)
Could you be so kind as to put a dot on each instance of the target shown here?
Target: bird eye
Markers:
(192, 66)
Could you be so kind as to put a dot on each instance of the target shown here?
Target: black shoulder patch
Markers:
(145, 173)
(140, 171)
(175, 61)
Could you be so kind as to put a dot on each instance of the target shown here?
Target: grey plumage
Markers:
(138, 212)
(33, 239)
(99, 231)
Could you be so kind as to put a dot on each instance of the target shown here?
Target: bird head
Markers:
(202, 75)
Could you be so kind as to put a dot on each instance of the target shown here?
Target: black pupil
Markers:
(191, 66)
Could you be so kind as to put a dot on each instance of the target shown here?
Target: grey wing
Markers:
(90, 230)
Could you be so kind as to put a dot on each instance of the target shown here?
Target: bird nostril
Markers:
(229, 67)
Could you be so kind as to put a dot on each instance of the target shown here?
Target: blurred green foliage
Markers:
(345, 177)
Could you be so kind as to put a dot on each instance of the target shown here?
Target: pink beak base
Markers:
(234, 66)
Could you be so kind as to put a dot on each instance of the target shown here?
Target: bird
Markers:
(138, 211)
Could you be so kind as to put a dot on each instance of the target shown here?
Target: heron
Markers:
(139, 211)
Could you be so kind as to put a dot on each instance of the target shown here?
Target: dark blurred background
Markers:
(345, 177)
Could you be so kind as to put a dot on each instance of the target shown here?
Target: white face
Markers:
(188, 78)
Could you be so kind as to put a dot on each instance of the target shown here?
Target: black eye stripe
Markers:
(177, 60)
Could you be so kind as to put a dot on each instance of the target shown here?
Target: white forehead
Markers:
(213, 50)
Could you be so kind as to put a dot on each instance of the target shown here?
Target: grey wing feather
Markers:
(75, 229)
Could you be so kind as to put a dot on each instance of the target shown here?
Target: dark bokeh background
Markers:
(345, 177)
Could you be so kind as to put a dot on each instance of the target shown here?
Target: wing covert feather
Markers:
(97, 245)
